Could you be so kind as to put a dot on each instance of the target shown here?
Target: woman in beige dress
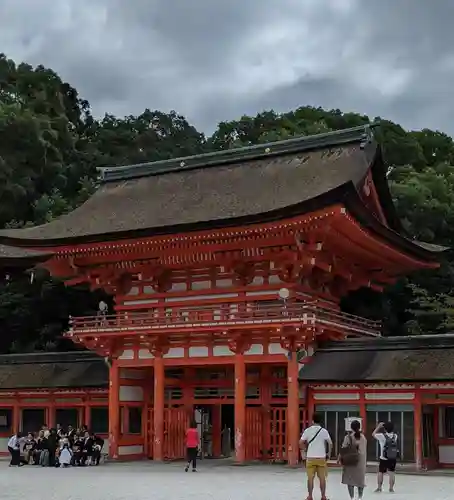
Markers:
(354, 476)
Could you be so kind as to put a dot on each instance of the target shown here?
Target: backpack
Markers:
(349, 455)
(390, 449)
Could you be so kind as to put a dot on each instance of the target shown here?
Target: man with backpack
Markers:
(316, 447)
(389, 453)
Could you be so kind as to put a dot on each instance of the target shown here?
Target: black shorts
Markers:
(387, 465)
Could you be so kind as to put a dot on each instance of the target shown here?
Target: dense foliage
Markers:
(51, 146)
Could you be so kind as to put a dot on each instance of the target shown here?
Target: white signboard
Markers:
(349, 420)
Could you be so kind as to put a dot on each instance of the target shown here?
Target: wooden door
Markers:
(278, 434)
(176, 422)
(254, 433)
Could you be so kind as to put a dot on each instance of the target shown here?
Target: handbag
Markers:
(349, 455)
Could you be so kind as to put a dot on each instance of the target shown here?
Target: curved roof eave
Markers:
(330, 198)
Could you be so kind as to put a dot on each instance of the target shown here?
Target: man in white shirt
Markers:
(316, 445)
(387, 439)
(14, 449)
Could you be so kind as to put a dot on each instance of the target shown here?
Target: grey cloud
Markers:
(215, 60)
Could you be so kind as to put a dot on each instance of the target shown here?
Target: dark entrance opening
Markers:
(228, 429)
(33, 419)
(67, 416)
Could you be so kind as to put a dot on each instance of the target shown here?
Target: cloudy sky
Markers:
(214, 60)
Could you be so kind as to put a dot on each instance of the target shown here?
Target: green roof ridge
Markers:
(298, 144)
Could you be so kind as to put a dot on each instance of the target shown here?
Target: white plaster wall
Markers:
(255, 349)
(224, 283)
(139, 302)
(446, 454)
(384, 396)
(276, 349)
(4, 445)
(175, 352)
(325, 396)
(145, 354)
(222, 350)
(198, 352)
(131, 393)
(127, 354)
(201, 285)
(130, 450)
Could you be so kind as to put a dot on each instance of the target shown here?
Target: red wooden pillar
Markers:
(51, 414)
(293, 408)
(87, 415)
(217, 442)
(363, 409)
(240, 407)
(145, 415)
(188, 389)
(158, 410)
(310, 405)
(114, 409)
(436, 430)
(418, 431)
(16, 418)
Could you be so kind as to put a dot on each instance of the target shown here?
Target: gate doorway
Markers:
(228, 429)
(429, 447)
(203, 419)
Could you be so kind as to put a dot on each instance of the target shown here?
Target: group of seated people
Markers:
(58, 447)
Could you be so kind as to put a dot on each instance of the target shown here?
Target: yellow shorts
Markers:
(316, 466)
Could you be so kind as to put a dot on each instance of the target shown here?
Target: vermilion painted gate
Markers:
(176, 422)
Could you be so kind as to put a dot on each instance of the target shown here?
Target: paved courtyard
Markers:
(168, 482)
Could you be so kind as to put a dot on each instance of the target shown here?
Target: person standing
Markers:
(353, 457)
(14, 449)
(192, 446)
(389, 452)
(316, 447)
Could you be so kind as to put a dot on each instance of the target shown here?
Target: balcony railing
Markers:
(222, 317)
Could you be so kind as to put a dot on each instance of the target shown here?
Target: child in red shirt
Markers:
(192, 446)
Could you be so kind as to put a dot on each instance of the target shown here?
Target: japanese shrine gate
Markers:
(224, 271)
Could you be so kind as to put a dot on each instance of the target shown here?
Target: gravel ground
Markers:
(169, 482)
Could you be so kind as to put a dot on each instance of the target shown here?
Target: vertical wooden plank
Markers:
(240, 407)
(158, 452)
(114, 409)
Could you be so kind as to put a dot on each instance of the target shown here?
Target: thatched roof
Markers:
(394, 359)
(52, 371)
(217, 189)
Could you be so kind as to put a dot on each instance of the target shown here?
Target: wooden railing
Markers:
(228, 316)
